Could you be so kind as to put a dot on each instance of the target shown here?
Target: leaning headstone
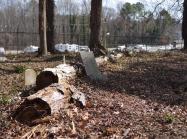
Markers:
(90, 65)
(30, 77)
(2, 54)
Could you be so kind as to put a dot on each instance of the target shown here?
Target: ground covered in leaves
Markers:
(145, 96)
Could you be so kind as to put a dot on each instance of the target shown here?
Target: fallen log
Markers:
(48, 101)
(43, 103)
(54, 93)
(61, 73)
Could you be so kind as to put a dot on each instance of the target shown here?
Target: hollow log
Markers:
(60, 74)
(43, 103)
(48, 101)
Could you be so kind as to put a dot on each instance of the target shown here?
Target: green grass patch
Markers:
(19, 69)
(5, 100)
(169, 118)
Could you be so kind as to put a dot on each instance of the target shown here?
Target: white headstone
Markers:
(30, 77)
(90, 65)
(2, 52)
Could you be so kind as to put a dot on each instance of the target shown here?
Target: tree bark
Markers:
(58, 74)
(50, 25)
(184, 24)
(73, 27)
(84, 29)
(42, 27)
(95, 27)
(48, 101)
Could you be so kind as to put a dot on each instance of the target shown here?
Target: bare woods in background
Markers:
(127, 24)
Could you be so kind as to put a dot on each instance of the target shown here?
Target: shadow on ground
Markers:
(161, 81)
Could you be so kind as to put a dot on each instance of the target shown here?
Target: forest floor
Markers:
(145, 96)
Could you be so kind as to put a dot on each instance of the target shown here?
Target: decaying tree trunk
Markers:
(50, 25)
(95, 27)
(184, 24)
(42, 27)
(59, 74)
(55, 94)
(41, 104)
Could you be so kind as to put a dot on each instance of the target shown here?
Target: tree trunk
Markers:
(95, 27)
(73, 27)
(184, 24)
(42, 27)
(50, 25)
(84, 29)
(64, 33)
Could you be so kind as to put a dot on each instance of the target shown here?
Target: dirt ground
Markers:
(145, 96)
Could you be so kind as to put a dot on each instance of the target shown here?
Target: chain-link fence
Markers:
(15, 42)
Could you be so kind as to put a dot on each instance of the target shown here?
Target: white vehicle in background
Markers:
(61, 47)
(121, 48)
(66, 47)
(70, 48)
(31, 49)
(149, 48)
(84, 48)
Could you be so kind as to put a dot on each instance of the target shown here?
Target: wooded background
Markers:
(127, 24)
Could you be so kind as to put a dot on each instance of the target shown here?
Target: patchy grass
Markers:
(19, 69)
(5, 100)
(169, 118)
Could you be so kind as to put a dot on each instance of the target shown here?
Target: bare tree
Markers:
(86, 6)
(184, 24)
(95, 27)
(50, 25)
(42, 27)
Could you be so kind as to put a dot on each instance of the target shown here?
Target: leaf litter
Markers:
(145, 97)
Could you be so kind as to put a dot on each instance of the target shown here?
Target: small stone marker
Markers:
(64, 59)
(90, 65)
(30, 77)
